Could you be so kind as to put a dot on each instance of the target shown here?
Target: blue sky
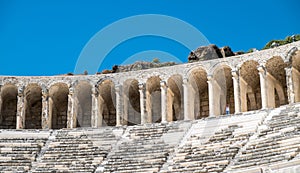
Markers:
(47, 37)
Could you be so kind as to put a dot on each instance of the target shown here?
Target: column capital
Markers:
(163, 84)
(45, 92)
(141, 86)
(21, 91)
(71, 91)
(118, 88)
(95, 91)
(261, 68)
(235, 73)
(185, 80)
(210, 78)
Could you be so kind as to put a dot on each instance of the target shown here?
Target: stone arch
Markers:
(8, 106)
(58, 105)
(83, 102)
(175, 98)
(107, 100)
(132, 109)
(250, 86)
(33, 106)
(276, 82)
(153, 99)
(295, 65)
(223, 89)
(198, 93)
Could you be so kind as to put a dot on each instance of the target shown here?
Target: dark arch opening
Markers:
(276, 68)
(224, 80)
(107, 100)
(153, 102)
(33, 106)
(175, 95)
(132, 109)
(8, 106)
(58, 105)
(83, 93)
(199, 93)
(250, 86)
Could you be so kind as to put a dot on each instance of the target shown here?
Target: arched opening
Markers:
(83, 102)
(174, 98)
(224, 93)
(33, 106)
(276, 82)
(153, 99)
(296, 74)
(199, 93)
(132, 109)
(250, 86)
(107, 100)
(8, 106)
(58, 105)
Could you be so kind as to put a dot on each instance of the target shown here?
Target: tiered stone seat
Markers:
(213, 143)
(277, 140)
(145, 148)
(70, 151)
(18, 149)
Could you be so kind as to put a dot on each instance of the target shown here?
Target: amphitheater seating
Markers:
(213, 143)
(74, 151)
(250, 142)
(19, 149)
(277, 140)
(144, 148)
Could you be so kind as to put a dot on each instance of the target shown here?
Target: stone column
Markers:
(95, 112)
(46, 120)
(163, 88)
(236, 89)
(72, 116)
(289, 84)
(211, 100)
(125, 108)
(263, 86)
(142, 103)
(186, 101)
(118, 104)
(20, 109)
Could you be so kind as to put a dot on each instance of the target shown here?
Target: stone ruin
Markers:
(168, 119)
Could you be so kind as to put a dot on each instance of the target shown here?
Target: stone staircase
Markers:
(213, 142)
(144, 148)
(18, 149)
(276, 142)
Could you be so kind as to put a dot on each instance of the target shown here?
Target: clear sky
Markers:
(46, 37)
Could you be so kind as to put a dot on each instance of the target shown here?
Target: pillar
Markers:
(211, 93)
(72, 114)
(96, 120)
(236, 90)
(163, 88)
(186, 101)
(263, 86)
(142, 103)
(289, 84)
(270, 90)
(126, 108)
(20, 109)
(46, 120)
(118, 104)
